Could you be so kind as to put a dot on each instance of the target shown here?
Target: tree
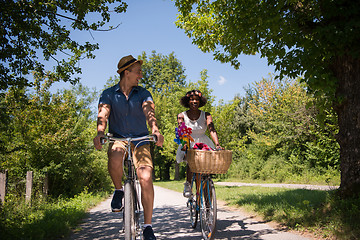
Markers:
(316, 39)
(161, 72)
(52, 134)
(33, 31)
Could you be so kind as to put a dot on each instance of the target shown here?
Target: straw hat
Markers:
(126, 62)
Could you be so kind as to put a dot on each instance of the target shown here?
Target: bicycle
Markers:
(132, 206)
(203, 202)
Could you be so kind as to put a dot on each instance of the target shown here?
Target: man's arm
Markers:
(103, 115)
(149, 111)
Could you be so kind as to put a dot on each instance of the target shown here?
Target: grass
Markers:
(44, 219)
(319, 212)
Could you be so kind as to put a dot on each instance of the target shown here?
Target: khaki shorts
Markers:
(141, 156)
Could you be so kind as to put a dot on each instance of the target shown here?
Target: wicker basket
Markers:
(210, 162)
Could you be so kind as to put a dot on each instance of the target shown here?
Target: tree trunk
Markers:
(347, 71)
(177, 171)
(167, 171)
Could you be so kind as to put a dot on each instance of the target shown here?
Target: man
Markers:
(127, 107)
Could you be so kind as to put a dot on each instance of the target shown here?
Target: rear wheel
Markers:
(129, 216)
(208, 209)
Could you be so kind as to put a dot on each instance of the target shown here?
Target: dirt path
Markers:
(171, 221)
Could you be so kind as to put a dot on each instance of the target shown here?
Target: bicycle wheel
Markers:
(208, 209)
(191, 204)
(129, 216)
(137, 209)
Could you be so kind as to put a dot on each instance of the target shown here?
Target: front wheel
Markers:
(192, 204)
(129, 215)
(208, 209)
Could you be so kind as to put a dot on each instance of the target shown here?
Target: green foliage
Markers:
(52, 134)
(161, 72)
(34, 31)
(297, 37)
(52, 219)
(279, 137)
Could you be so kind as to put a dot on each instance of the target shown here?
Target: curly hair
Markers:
(185, 100)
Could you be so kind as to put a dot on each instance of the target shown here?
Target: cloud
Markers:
(222, 80)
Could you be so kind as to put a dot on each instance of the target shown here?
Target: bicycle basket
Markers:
(209, 162)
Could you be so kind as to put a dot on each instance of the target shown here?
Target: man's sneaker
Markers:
(187, 190)
(149, 233)
(116, 202)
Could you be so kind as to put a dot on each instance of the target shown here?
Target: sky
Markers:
(150, 26)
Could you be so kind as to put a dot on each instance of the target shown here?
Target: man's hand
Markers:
(160, 138)
(97, 142)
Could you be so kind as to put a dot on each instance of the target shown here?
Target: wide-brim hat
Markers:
(185, 99)
(127, 62)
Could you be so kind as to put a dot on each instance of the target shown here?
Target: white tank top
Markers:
(198, 127)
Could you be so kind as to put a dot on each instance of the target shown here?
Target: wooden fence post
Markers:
(3, 185)
(29, 183)
(45, 185)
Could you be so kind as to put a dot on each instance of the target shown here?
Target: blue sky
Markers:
(149, 25)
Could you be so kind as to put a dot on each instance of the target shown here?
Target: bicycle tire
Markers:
(191, 204)
(137, 209)
(208, 209)
(129, 211)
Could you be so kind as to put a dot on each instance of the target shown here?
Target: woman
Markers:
(199, 121)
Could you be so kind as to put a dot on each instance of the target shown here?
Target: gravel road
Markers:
(171, 221)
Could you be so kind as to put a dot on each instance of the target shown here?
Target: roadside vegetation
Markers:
(321, 213)
(45, 219)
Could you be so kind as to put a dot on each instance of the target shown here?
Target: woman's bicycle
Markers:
(132, 206)
(202, 202)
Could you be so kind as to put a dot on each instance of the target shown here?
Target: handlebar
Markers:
(111, 138)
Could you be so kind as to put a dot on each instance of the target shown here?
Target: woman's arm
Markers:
(180, 118)
(212, 131)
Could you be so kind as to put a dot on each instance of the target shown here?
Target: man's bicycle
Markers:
(132, 206)
(202, 201)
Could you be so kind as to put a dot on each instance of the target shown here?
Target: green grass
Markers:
(44, 219)
(319, 212)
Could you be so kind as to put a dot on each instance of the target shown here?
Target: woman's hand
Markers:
(184, 148)
(218, 147)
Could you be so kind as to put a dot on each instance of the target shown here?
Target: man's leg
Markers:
(143, 164)
(115, 163)
(147, 192)
(116, 155)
